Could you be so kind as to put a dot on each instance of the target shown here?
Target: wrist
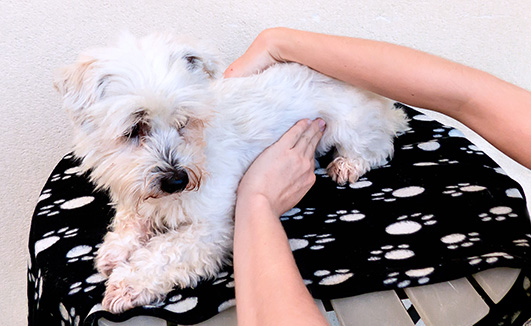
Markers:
(278, 43)
(254, 205)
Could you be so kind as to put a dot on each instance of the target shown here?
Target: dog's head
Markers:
(139, 109)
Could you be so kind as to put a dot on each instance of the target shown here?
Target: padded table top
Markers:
(440, 210)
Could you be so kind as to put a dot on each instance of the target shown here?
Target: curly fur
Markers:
(154, 111)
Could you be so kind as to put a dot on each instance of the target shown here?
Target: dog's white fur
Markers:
(147, 110)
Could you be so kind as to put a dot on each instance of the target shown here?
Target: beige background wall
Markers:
(38, 36)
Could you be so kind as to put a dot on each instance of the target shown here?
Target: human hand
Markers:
(261, 54)
(284, 172)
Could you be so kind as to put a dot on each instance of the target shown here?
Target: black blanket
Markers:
(440, 210)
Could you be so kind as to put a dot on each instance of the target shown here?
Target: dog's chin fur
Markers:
(147, 108)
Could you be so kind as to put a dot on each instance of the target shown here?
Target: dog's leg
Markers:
(128, 234)
(179, 257)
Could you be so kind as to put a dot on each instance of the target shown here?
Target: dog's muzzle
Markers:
(174, 181)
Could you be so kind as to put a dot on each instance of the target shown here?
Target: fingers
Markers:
(318, 127)
(308, 139)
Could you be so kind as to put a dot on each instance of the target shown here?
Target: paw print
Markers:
(429, 146)
(402, 280)
(521, 243)
(361, 183)
(87, 285)
(224, 278)
(391, 252)
(313, 241)
(440, 131)
(457, 240)
(67, 174)
(36, 280)
(489, 258)
(179, 305)
(50, 238)
(68, 317)
(409, 224)
(390, 195)
(499, 213)
(443, 161)
(472, 149)
(460, 188)
(45, 194)
(297, 213)
(346, 216)
(81, 252)
(326, 277)
(62, 204)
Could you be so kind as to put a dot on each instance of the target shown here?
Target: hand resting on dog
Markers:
(269, 289)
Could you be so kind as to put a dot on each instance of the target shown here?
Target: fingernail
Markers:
(322, 125)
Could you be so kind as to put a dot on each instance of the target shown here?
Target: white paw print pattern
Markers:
(521, 243)
(179, 305)
(87, 285)
(69, 317)
(62, 204)
(441, 131)
(81, 252)
(361, 183)
(50, 238)
(225, 279)
(406, 225)
(390, 195)
(313, 241)
(418, 276)
(345, 216)
(514, 193)
(37, 281)
(472, 149)
(76, 170)
(442, 161)
(490, 258)
(391, 252)
(498, 213)
(459, 240)
(297, 214)
(460, 188)
(326, 277)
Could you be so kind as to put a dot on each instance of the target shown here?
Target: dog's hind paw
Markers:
(343, 170)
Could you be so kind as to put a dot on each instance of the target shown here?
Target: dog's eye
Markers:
(137, 131)
(192, 61)
(181, 123)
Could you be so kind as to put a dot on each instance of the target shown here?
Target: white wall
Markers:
(38, 36)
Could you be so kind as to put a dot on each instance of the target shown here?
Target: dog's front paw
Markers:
(343, 170)
(115, 250)
(106, 260)
(124, 294)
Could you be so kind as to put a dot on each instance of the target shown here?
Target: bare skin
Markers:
(498, 111)
(269, 288)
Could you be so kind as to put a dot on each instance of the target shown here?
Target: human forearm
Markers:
(269, 288)
(498, 111)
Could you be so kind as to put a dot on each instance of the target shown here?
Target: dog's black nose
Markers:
(174, 182)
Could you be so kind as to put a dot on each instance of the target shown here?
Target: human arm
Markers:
(269, 288)
(498, 111)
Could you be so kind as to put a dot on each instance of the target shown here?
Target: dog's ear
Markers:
(209, 65)
(79, 84)
(205, 60)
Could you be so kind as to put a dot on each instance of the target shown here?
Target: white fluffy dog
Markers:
(169, 139)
